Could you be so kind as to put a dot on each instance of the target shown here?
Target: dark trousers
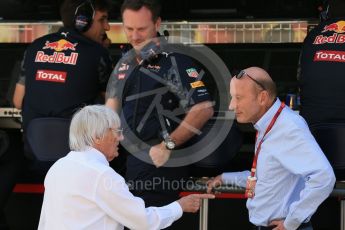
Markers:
(303, 226)
(156, 186)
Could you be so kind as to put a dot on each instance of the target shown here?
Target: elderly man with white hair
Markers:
(83, 192)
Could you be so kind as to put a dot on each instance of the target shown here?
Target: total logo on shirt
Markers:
(50, 75)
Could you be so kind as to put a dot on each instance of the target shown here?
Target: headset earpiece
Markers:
(83, 16)
(323, 10)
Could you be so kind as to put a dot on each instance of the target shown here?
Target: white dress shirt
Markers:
(83, 192)
(293, 175)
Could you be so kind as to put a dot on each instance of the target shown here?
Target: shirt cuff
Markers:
(291, 224)
(176, 210)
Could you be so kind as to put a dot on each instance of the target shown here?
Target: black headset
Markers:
(323, 7)
(83, 16)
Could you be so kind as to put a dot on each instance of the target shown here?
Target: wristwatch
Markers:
(169, 143)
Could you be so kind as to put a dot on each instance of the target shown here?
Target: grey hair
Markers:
(89, 123)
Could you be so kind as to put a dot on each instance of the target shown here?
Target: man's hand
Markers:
(191, 203)
(215, 182)
(277, 224)
(159, 154)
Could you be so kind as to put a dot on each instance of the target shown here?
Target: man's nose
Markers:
(121, 137)
(107, 26)
(231, 105)
(135, 35)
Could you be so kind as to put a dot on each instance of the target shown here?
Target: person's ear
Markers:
(264, 97)
(97, 141)
(158, 23)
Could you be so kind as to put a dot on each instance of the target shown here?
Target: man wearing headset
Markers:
(68, 69)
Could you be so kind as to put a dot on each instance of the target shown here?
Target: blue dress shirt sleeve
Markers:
(236, 178)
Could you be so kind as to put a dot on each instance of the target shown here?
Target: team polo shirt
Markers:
(168, 83)
(322, 79)
(62, 72)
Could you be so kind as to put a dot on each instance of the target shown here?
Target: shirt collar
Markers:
(72, 33)
(264, 121)
(96, 155)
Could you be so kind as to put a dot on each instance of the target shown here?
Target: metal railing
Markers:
(236, 192)
(293, 31)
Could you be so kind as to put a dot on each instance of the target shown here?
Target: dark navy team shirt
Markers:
(164, 87)
(62, 72)
(322, 80)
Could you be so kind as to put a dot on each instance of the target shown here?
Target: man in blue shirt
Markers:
(290, 176)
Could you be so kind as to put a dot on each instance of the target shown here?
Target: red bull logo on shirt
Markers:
(338, 27)
(60, 45)
(334, 38)
(337, 37)
(57, 57)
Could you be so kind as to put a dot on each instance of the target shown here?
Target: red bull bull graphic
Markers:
(330, 55)
(60, 45)
(57, 57)
(338, 27)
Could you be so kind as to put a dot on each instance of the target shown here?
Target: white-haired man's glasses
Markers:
(118, 132)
